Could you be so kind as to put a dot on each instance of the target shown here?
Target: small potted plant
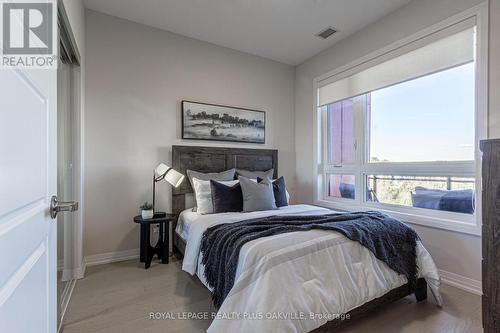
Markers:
(147, 210)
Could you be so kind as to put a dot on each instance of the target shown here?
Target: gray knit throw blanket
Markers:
(390, 240)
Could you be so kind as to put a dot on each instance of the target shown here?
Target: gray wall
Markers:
(453, 252)
(136, 77)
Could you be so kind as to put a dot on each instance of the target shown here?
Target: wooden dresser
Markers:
(491, 235)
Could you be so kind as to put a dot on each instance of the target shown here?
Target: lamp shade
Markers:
(172, 176)
(161, 171)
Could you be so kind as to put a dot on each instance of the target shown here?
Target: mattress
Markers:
(187, 217)
(299, 274)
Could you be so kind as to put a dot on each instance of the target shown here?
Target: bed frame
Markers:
(214, 159)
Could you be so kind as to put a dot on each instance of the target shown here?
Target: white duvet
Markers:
(295, 282)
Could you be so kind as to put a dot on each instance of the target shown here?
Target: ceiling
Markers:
(281, 30)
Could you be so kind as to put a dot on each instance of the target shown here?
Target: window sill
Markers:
(427, 221)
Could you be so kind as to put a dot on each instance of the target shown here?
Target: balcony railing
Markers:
(454, 194)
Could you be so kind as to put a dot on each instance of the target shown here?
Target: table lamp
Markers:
(164, 172)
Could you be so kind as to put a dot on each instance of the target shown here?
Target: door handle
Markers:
(57, 206)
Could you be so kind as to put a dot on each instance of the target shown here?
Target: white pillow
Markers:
(203, 194)
(227, 175)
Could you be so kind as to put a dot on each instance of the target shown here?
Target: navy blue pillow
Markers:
(347, 190)
(460, 201)
(226, 198)
(426, 198)
(279, 190)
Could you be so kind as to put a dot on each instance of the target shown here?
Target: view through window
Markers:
(416, 136)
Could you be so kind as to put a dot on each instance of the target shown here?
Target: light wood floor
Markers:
(119, 297)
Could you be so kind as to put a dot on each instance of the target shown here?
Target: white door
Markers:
(28, 169)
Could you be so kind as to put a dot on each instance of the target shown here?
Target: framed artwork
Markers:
(202, 121)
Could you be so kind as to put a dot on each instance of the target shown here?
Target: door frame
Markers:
(77, 78)
(72, 54)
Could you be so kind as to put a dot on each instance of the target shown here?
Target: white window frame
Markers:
(465, 223)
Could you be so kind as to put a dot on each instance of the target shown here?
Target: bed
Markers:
(293, 282)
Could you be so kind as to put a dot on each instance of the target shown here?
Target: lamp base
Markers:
(159, 215)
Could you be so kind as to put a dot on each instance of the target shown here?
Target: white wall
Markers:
(136, 79)
(453, 252)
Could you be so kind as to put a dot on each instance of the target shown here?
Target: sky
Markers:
(426, 119)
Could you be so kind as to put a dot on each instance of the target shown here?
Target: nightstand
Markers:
(161, 247)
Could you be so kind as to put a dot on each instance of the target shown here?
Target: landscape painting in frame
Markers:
(202, 121)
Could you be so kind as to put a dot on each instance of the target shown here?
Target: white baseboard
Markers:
(109, 257)
(461, 282)
(75, 273)
(79, 272)
(71, 273)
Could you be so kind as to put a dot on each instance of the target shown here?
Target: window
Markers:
(452, 194)
(340, 118)
(341, 186)
(400, 135)
(436, 110)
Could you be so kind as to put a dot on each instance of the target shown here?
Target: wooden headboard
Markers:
(215, 159)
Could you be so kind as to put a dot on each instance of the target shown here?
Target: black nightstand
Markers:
(161, 247)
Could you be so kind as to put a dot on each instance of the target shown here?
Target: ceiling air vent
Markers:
(326, 33)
